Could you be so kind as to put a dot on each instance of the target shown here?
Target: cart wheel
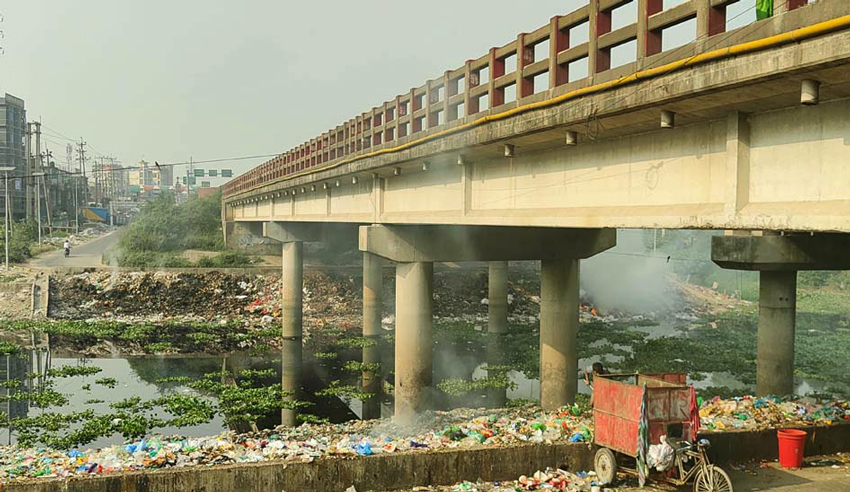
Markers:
(606, 466)
(712, 479)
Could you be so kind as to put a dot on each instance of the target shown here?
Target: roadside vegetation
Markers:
(164, 230)
(23, 240)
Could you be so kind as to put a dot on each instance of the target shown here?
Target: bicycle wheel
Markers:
(605, 463)
(712, 479)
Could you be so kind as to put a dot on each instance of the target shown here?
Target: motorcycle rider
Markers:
(67, 246)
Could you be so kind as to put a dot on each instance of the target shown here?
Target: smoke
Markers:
(629, 277)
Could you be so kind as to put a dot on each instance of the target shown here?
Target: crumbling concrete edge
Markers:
(40, 295)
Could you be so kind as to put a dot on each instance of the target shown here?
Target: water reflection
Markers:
(143, 377)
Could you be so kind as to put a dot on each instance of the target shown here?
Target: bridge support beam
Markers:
(778, 258)
(373, 284)
(415, 248)
(414, 338)
(293, 237)
(497, 326)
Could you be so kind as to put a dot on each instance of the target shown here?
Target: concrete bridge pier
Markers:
(416, 248)
(497, 326)
(373, 284)
(293, 237)
(776, 329)
(414, 337)
(778, 258)
(559, 300)
(292, 310)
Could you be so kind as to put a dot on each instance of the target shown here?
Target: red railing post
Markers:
(559, 40)
(497, 69)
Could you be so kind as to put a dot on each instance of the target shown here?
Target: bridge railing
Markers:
(507, 76)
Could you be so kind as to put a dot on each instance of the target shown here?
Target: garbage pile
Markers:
(755, 413)
(117, 295)
(550, 479)
(432, 431)
(445, 430)
(329, 298)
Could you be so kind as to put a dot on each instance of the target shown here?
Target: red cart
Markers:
(670, 410)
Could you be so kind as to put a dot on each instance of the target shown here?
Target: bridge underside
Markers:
(744, 154)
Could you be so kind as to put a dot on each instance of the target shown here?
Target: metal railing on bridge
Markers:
(481, 85)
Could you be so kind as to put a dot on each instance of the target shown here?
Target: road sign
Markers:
(227, 173)
(213, 173)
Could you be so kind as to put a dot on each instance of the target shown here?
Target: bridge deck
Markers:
(744, 153)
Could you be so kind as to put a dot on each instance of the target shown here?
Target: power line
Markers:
(171, 164)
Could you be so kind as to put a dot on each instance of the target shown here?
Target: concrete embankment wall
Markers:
(398, 471)
(381, 472)
(762, 445)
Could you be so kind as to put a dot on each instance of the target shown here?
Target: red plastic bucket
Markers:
(792, 442)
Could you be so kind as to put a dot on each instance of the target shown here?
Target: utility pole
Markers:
(38, 176)
(47, 156)
(7, 212)
(28, 172)
(76, 204)
(33, 173)
(82, 152)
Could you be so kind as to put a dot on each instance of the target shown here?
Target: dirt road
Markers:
(84, 256)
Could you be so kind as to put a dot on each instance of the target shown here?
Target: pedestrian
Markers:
(595, 369)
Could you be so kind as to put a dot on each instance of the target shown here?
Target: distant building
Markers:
(163, 176)
(13, 124)
(140, 176)
(149, 174)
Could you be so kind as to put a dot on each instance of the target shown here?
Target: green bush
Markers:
(164, 229)
(22, 235)
(165, 226)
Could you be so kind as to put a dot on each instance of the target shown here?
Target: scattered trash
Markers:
(751, 413)
(460, 428)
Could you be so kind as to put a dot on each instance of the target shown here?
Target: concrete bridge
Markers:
(509, 158)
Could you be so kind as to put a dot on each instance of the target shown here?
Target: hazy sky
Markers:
(166, 80)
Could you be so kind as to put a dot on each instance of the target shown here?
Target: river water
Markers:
(140, 376)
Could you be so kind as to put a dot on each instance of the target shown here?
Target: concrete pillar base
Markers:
(559, 299)
(776, 329)
(414, 338)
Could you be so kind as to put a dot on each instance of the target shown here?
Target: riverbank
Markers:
(404, 470)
